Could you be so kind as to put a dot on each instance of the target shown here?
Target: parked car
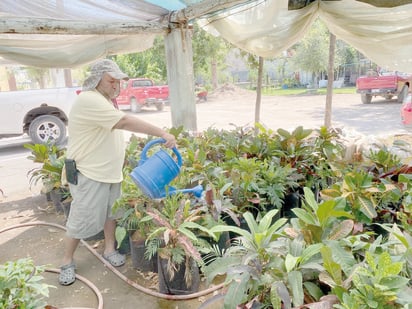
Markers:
(386, 85)
(40, 113)
(137, 93)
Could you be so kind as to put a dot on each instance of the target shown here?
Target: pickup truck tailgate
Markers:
(378, 82)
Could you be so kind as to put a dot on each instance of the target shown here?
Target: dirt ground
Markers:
(44, 244)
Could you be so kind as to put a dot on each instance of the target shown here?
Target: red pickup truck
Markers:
(137, 93)
(386, 85)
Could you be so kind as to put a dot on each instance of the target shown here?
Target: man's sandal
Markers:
(115, 258)
(67, 274)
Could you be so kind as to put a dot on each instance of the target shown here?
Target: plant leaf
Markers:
(367, 207)
(310, 199)
(341, 230)
(333, 268)
(295, 280)
(237, 291)
(120, 234)
(305, 216)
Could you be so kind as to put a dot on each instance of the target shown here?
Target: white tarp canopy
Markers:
(66, 50)
(265, 28)
(70, 33)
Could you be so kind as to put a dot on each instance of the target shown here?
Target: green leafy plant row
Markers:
(286, 218)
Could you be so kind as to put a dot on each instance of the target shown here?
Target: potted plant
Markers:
(264, 267)
(49, 173)
(134, 225)
(174, 238)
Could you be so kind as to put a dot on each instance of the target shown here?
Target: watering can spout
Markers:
(196, 191)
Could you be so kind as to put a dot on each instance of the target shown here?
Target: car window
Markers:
(142, 83)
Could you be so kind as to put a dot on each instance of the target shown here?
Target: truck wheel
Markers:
(47, 129)
(366, 98)
(388, 97)
(160, 106)
(134, 106)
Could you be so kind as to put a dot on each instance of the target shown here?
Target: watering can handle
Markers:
(159, 141)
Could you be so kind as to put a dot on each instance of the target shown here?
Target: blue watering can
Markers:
(153, 175)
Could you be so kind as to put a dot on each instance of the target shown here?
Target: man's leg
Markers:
(67, 271)
(69, 249)
(110, 253)
(109, 236)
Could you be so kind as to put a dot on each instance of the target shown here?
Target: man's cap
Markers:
(98, 68)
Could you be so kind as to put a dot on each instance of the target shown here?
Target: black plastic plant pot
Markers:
(137, 252)
(178, 285)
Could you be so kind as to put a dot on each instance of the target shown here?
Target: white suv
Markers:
(41, 113)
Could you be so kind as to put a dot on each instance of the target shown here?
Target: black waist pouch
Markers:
(71, 171)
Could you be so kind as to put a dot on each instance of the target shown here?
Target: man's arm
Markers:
(134, 124)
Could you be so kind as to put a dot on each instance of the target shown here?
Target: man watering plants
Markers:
(95, 156)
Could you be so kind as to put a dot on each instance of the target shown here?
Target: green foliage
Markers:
(368, 274)
(208, 51)
(283, 262)
(400, 244)
(361, 194)
(404, 214)
(274, 182)
(376, 283)
(321, 222)
(174, 234)
(258, 264)
(384, 160)
(312, 153)
(21, 285)
(150, 63)
(209, 54)
(311, 54)
(49, 173)
(40, 153)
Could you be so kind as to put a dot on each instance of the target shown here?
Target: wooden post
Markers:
(331, 78)
(68, 78)
(179, 55)
(259, 91)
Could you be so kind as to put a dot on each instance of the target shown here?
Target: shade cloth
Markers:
(382, 30)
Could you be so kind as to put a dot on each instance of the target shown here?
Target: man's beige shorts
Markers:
(91, 206)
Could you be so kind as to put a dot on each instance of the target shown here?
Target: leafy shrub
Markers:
(21, 286)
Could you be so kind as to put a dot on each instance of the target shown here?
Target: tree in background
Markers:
(311, 53)
(210, 63)
(209, 55)
(39, 75)
(150, 63)
(346, 60)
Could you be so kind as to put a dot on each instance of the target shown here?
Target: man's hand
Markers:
(170, 140)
